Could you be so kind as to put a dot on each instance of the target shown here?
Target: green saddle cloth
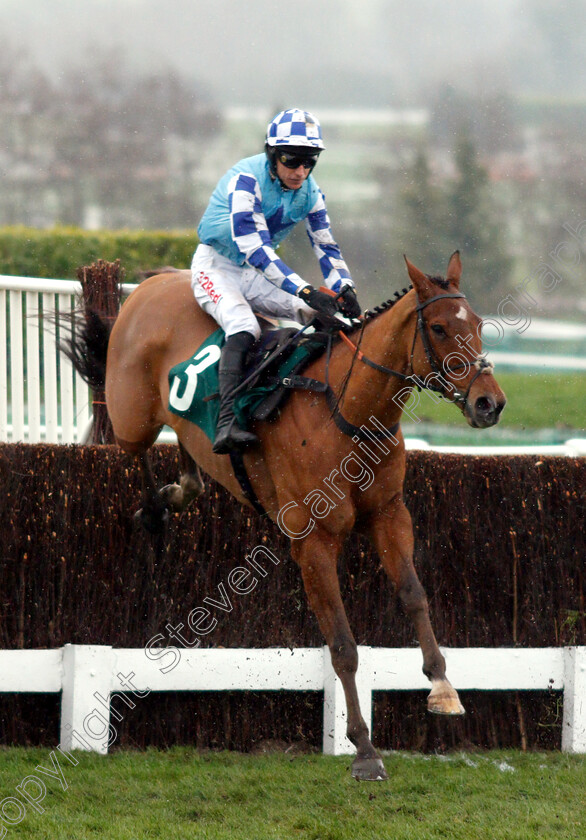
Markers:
(193, 384)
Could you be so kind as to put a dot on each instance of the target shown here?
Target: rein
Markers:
(363, 433)
(480, 362)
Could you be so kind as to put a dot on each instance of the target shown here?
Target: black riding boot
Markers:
(229, 435)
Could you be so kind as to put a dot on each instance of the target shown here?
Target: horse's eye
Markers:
(437, 329)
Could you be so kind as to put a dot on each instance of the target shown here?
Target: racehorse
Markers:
(428, 337)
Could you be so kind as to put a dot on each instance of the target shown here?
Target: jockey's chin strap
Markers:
(480, 362)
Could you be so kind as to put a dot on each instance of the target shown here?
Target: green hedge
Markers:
(58, 252)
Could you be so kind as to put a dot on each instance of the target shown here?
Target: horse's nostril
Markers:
(485, 406)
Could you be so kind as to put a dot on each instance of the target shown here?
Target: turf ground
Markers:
(541, 408)
(181, 794)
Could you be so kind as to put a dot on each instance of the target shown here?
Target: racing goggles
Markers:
(292, 160)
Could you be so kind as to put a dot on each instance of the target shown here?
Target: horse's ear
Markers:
(421, 282)
(454, 269)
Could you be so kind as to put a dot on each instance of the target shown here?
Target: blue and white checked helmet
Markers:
(295, 128)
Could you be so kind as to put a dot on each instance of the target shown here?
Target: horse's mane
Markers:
(383, 307)
(370, 315)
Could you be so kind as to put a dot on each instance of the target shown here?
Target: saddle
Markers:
(263, 390)
(278, 355)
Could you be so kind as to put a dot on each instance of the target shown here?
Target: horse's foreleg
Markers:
(178, 496)
(392, 534)
(317, 556)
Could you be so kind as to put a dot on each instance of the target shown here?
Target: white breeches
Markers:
(231, 294)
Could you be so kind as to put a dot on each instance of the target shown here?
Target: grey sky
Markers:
(341, 52)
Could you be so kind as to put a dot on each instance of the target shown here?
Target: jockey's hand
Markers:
(348, 302)
(325, 305)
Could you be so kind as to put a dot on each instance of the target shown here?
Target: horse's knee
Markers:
(412, 595)
(344, 655)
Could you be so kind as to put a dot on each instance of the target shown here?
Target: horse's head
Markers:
(446, 356)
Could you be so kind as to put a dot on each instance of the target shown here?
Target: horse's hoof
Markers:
(172, 496)
(152, 521)
(443, 699)
(369, 770)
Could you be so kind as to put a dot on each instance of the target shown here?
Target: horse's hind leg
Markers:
(153, 514)
(156, 504)
(178, 496)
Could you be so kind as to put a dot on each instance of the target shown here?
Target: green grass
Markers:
(184, 794)
(535, 401)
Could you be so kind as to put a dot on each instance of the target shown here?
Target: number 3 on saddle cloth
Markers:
(193, 384)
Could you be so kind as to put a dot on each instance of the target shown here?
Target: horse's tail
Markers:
(87, 346)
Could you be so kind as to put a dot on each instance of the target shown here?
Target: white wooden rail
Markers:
(41, 396)
(101, 685)
(42, 399)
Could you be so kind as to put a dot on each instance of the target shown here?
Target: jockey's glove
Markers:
(325, 305)
(349, 303)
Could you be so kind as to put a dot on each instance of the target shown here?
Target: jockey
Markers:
(236, 271)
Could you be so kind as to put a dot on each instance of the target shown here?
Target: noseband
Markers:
(480, 362)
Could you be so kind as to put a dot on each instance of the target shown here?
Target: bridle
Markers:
(362, 433)
(480, 362)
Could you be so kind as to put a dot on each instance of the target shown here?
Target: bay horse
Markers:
(427, 338)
